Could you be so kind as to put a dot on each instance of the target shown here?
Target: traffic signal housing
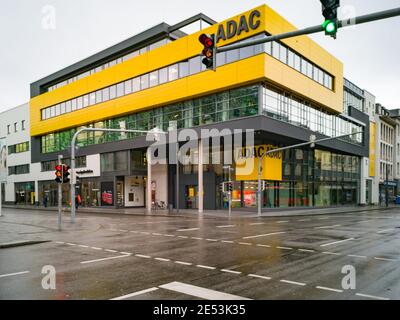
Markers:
(329, 11)
(209, 52)
(230, 187)
(66, 173)
(59, 173)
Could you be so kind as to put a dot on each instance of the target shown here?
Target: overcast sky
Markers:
(32, 49)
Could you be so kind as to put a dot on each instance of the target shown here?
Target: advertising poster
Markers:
(107, 193)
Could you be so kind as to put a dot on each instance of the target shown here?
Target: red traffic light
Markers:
(206, 40)
(58, 167)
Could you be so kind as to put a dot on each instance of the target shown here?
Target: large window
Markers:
(17, 170)
(18, 148)
(114, 161)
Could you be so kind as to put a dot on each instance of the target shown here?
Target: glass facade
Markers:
(285, 107)
(311, 178)
(25, 193)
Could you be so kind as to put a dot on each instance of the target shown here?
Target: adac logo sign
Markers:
(233, 28)
(247, 163)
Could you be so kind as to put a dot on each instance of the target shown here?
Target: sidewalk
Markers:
(251, 213)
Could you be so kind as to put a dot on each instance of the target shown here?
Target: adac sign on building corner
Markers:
(235, 27)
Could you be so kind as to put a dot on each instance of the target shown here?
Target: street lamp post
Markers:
(156, 131)
(312, 143)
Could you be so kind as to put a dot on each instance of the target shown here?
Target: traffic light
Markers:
(209, 52)
(230, 186)
(66, 173)
(329, 11)
(59, 174)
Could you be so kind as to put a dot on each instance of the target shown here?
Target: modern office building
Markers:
(285, 91)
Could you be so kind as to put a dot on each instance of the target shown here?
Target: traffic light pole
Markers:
(60, 157)
(309, 143)
(315, 29)
(73, 145)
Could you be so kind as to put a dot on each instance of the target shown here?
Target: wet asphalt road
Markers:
(111, 256)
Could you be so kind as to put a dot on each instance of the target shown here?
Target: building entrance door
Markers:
(120, 193)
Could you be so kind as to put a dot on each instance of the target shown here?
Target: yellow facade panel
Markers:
(372, 149)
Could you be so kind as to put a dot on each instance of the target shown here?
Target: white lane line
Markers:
(384, 259)
(183, 237)
(371, 297)
(329, 289)
(260, 277)
(105, 259)
(70, 244)
(126, 253)
(306, 250)
(336, 242)
(112, 251)
(328, 227)
(228, 226)
(384, 231)
(169, 235)
(264, 235)
(195, 238)
(184, 230)
(59, 242)
(133, 231)
(13, 274)
(257, 224)
(284, 248)
(231, 271)
(142, 256)
(212, 240)
(323, 218)
(199, 292)
(263, 245)
(95, 248)
(135, 294)
(146, 233)
(357, 256)
(156, 234)
(331, 253)
(184, 263)
(245, 243)
(83, 246)
(227, 241)
(304, 220)
(162, 259)
(205, 267)
(293, 282)
(282, 221)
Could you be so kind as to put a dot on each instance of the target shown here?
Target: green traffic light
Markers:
(329, 26)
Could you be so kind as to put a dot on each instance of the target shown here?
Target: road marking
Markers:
(105, 259)
(261, 277)
(183, 237)
(306, 250)
(212, 240)
(227, 241)
(263, 245)
(384, 259)
(264, 235)
(146, 233)
(245, 243)
(284, 248)
(331, 253)
(13, 274)
(83, 246)
(134, 231)
(257, 224)
(205, 267)
(357, 256)
(59, 242)
(184, 230)
(196, 238)
(142, 256)
(184, 263)
(95, 248)
(328, 227)
(135, 294)
(329, 289)
(156, 234)
(323, 218)
(304, 220)
(293, 282)
(230, 271)
(169, 235)
(162, 259)
(199, 292)
(372, 297)
(228, 226)
(384, 231)
(127, 253)
(109, 250)
(336, 242)
(282, 221)
(70, 244)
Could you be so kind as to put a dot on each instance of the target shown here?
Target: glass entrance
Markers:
(191, 197)
(120, 193)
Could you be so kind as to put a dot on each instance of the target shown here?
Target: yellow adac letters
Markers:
(247, 160)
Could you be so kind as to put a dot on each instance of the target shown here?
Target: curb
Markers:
(21, 243)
